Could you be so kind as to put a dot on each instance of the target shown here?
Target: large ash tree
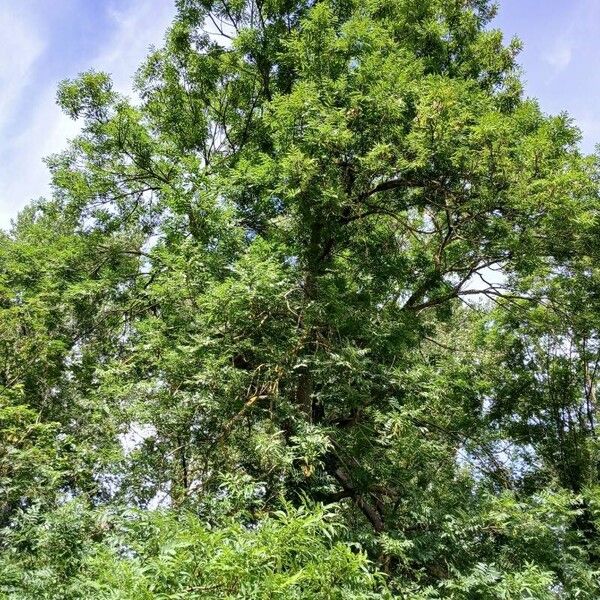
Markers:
(316, 316)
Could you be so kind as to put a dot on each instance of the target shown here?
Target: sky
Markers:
(46, 41)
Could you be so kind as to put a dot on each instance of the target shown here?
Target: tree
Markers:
(332, 255)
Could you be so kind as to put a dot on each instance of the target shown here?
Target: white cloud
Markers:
(560, 55)
(21, 47)
(23, 175)
(143, 24)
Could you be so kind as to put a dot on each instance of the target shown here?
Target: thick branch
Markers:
(369, 511)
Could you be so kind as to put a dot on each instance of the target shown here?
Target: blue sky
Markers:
(45, 41)
(561, 56)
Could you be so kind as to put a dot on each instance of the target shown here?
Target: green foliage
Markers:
(79, 554)
(329, 256)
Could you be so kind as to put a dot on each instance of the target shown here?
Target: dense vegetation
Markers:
(316, 316)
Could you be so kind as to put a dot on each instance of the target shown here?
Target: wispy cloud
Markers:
(43, 129)
(136, 28)
(560, 55)
(22, 46)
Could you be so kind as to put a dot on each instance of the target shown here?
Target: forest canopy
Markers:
(313, 314)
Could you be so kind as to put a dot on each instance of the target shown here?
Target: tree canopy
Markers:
(314, 314)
